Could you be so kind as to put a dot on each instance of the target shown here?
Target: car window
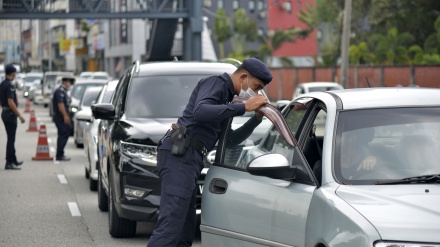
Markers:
(382, 144)
(79, 89)
(160, 96)
(89, 97)
(322, 89)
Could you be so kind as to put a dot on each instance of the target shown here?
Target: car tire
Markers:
(93, 184)
(118, 227)
(87, 174)
(46, 105)
(102, 196)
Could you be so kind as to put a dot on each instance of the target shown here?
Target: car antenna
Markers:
(366, 78)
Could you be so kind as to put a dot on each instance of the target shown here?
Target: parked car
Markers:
(91, 137)
(101, 75)
(148, 99)
(35, 89)
(77, 92)
(86, 75)
(309, 87)
(367, 176)
(29, 80)
(84, 114)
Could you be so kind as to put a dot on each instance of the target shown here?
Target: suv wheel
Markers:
(118, 227)
(102, 196)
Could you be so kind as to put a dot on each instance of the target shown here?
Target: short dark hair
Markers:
(240, 69)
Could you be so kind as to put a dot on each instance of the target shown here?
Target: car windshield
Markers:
(50, 79)
(160, 96)
(79, 89)
(322, 89)
(381, 144)
(88, 98)
(31, 79)
(100, 77)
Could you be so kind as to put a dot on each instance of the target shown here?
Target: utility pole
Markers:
(345, 43)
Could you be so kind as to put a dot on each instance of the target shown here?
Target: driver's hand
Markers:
(368, 163)
(254, 102)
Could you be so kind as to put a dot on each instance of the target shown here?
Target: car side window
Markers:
(120, 96)
(118, 91)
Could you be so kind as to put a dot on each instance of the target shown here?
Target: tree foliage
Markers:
(222, 29)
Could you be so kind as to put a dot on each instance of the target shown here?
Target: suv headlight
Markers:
(144, 152)
(73, 109)
(397, 244)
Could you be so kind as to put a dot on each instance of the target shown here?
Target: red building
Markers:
(282, 14)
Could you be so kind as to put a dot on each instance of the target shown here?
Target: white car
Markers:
(84, 115)
(90, 138)
(309, 87)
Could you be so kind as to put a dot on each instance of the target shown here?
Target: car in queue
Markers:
(148, 99)
(90, 135)
(355, 167)
(84, 114)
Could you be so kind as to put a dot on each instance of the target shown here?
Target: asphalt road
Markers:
(49, 203)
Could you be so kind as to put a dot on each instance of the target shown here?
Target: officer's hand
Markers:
(254, 102)
(22, 119)
(66, 120)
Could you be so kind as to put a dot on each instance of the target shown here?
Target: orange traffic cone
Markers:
(42, 146)
(32, 122)
(27, 106)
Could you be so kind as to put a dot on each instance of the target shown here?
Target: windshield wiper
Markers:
(432, 178)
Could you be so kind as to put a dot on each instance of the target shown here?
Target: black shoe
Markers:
(63, 158)
(11, 166)
(18, 163)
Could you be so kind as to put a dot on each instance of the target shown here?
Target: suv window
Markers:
(160, 96)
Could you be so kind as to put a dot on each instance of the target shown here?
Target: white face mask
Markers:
(248, 93)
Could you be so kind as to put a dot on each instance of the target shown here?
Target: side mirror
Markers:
(274, 166)
(104, 111)
(83, 116)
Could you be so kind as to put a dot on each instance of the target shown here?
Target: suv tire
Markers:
(118, 227)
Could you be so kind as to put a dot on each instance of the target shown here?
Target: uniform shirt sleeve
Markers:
(58, 95)
(10, 91)
(210, 104)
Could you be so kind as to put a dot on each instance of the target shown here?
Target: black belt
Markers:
(6, 108)
(198, 145)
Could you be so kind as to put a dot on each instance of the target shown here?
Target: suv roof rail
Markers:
(137, 66)
(231, 60)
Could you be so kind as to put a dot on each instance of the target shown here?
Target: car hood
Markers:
(146, 130)
(408, 212)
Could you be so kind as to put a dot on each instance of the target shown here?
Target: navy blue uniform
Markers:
(205, 115)
(7, 91)
(60, 95)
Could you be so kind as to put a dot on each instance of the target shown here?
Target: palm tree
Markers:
(392, 48)
(222, 29)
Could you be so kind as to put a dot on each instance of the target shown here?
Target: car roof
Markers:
(81, 81)
(319, 84)
(58, 73)
(386, 97)
(184, 68)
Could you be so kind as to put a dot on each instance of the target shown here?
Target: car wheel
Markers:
(102, 196)
(118, 227)
(46, 105)
(87, 174)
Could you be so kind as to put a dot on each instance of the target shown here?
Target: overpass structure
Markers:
(165, 15)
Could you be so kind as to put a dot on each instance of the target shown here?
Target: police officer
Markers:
(9, 103)
(61, 116)
(204, 117)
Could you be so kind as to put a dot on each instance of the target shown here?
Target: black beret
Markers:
(9, 69)
(258, 69)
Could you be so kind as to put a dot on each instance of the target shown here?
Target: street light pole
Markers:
(345, 43)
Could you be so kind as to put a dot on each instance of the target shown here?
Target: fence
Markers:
(285, 79)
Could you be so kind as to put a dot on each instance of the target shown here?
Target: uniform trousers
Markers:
(63, 135)
(176, 225)
(10, 121)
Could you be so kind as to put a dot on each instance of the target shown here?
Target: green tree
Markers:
(244, 30)
(360, 54)
(432, 43)
(222, 29)
(392, 48)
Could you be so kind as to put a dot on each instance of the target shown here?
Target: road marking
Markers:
(74, 210)
(62, 179)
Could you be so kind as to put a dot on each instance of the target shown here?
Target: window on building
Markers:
(235, 5)
(298, 4)
(207, 3)
(220, 4)
(260, 5)
(251, 5)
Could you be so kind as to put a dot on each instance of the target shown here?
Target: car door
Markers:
(240, 209)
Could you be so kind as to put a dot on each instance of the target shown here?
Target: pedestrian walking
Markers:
(61, 116)
(181, 151)
(10, 113)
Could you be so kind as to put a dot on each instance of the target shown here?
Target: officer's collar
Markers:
(230, 84)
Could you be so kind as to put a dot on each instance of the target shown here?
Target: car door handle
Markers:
(218, 186)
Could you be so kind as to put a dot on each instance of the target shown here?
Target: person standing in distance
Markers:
(61, 116)
(181, 150)
(8, 99)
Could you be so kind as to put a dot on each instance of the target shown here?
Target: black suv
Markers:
(148, 99)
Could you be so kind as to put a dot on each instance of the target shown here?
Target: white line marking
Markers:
(62, 179)
(52, 149)
(49, 140)
(74, 210)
